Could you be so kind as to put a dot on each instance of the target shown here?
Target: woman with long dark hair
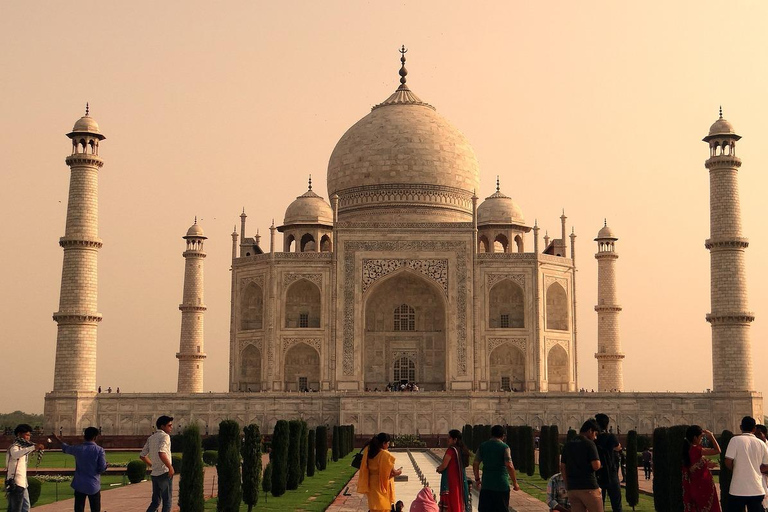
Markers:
(454, 488)
(699, 494)
(377, 472)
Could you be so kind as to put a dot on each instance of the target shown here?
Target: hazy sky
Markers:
(209, 107)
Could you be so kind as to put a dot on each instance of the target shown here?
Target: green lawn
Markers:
(62, 491)
(61, 460)
(313, 495)
(537, 487)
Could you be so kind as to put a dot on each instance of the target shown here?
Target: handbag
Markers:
(357, 460)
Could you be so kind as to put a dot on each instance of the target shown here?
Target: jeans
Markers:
(647, 469)
(613, 490)
(18, 500)
(162, 491)
(94, 500)
(753, 503)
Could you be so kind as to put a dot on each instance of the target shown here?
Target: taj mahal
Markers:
(403, 275)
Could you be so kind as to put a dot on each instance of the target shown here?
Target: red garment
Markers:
(699, 494)
(455, 499)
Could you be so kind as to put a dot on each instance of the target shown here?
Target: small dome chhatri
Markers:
(87, 125)
(499, 209)
(721, 128)
(195, 231)
(309, 208)
(605, 233)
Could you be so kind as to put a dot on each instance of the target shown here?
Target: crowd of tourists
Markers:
(394, 386)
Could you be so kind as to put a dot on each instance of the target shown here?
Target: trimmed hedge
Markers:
(191, 484)
(34, 488)
(228, 467)
(294, 435)
(676, 438)
(251, 465)
(530, 451)
(136, 471)
(211, 457)
(266, 482)
(303, 446)
(632, 492)
(554, 450)
(725, 474)
(335, 438)
(176, 462)
(322, 448)
(544, 453)
(661, 477)
(280, 442)
(311, 466)
(466, 436)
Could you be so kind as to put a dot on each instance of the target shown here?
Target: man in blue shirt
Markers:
(90, 463)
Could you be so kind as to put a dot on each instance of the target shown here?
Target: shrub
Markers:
(228, 467)
(177, 443)
(303, 451)
(407, 441)
(661, 476)
(136, 471)
(34, 487)
(725, 474)
(544, 452)
(477, 437)
(630, 475)
(211, 457)
(191, 485)
(530, 451)
(676, 438)
(311, 452)
(335, 443)
(280, 458)
(211, 442)
(251, 465)
(176, 463)
(294, 434)
(266, 482)
(554, 450)
(322, 448)
(466, 435)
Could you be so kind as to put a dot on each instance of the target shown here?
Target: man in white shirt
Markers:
(157, 454)
(747, 458)
(16, 462)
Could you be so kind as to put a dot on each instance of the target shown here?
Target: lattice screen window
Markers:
(303, 319)
(302, 383)
(405, 318)
(405, 369)
(505, 321)
(505, 384)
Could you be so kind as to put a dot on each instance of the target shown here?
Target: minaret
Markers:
(610, 376)
(191, 355)
(730, 317)
(77, 318)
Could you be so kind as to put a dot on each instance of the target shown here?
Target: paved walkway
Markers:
(350, 501)
(133, 497)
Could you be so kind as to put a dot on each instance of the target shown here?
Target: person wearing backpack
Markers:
(608, 447)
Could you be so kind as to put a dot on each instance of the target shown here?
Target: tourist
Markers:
(498, 469)
(16, 459)
(647, 461)
(578, 465)
(747, 457)
(157, 454)
(377, 473)
(698, 486)
(399, 506)
(761, 432)
(608, 447)
(90, 463)
(454, 488)
(424, 502)
(557, 494)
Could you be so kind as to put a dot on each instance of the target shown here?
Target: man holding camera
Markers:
(16, 463)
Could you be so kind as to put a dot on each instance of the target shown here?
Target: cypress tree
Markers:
(303, 452)
(322, 448)
(661, 476)
(251, 465)
(228, 467)
(487, 432)
(530, 451)
(544, 452)
(477, 437)
(191, 485)
(466, 436)
(512, 440)
(280, 442)
(554, 450)
(294, 439)
(266, 482)
(725, 474)
(676, 438)
(335, 444)
(352, 438)
(630, 476)
(311, 452)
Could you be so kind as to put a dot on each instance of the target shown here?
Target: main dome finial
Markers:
(403, 71)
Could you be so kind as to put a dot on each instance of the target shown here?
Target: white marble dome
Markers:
(499, 209)
(407, 158)
(308, 208)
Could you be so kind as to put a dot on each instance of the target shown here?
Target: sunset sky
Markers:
(597, 108)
